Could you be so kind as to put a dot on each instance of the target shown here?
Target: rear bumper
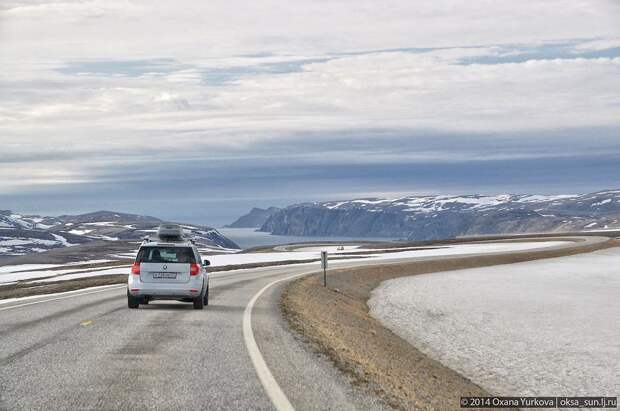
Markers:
(191, 289)
(165, 294)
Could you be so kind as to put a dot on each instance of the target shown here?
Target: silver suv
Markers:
(168, 267)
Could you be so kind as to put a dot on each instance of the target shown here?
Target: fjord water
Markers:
(249, 237)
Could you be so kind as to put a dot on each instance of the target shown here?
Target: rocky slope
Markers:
(434, 217)
(23, 234)
(255, 218)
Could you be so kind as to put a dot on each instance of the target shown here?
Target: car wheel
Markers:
(132, 302)
(199, 303)
(206, 299)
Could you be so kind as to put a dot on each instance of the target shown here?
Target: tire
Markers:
(206, 297)
(132, 302)
(199, 303)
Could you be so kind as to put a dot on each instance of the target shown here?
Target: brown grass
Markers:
(24, 289)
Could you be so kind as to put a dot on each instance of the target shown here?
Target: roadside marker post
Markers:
(324, 265)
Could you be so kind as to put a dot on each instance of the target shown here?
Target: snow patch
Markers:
(79, 232)
(531, 328)
(600, 203)
(62, 240)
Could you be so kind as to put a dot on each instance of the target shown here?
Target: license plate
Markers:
(165, 275)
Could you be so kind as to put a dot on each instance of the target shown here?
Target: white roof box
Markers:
(170, 232)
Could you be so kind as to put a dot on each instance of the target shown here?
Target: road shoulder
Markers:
(307, 377)
(336, 323)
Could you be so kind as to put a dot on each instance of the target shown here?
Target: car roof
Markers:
(152, 243)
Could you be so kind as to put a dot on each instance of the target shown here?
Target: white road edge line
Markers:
(61, 298)
(273, 390)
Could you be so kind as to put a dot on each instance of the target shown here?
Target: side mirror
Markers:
(206, 263)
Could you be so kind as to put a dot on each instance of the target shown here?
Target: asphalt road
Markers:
(89, 351)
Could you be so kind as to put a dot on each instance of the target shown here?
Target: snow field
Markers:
(547, 327)
(24, 272)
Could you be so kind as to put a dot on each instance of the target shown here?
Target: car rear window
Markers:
(166, 255)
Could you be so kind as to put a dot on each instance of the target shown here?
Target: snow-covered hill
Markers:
(22, 234)
(439, 216)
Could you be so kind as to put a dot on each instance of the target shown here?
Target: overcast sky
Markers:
(198, 111)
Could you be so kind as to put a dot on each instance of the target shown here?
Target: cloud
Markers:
(598, 45)
(197, 31)
(217, 187)
(429, 90)
(94, 86)
(100, 115)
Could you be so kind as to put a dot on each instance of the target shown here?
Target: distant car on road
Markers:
(168, 267)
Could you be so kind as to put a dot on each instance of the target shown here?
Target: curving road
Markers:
(88, 351)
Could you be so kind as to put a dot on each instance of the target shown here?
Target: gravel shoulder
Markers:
(335, 321)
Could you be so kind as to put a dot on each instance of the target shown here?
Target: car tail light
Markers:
(135, 268)
(194, 269)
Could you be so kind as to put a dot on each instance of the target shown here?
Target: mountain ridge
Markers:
(440, 216)
(22, 234)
